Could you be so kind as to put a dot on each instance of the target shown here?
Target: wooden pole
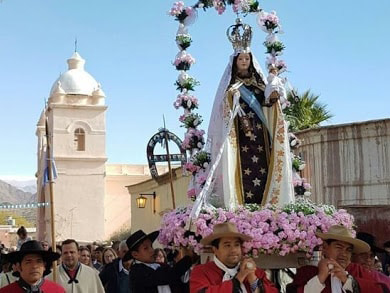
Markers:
(51, 191)
(169, 167)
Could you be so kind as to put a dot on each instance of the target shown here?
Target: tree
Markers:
(19, 219)
(122, 234)
(305, 111)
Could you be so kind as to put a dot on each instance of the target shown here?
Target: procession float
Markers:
(246, 171)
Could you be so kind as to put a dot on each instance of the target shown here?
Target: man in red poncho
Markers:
(31, 261)
(229, 272)
(335, 273)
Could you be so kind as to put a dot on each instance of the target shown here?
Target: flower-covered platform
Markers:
(275, 231)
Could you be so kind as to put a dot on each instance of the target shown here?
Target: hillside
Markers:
(11, 195)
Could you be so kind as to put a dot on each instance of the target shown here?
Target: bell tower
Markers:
(77, 125)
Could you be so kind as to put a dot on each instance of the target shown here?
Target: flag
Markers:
(48, 155)
(46, 170)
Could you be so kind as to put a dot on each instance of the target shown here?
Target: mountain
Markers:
(12, 195)
(27, 184)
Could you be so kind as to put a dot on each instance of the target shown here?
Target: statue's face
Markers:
(243, 62)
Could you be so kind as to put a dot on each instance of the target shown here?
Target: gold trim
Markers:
(272, 159)
(238, 175)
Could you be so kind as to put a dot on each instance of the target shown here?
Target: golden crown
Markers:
(240, 35)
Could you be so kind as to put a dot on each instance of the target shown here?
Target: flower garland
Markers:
(274, 230)
(194, 138)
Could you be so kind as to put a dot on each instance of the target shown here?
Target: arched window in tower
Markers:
(79, 139)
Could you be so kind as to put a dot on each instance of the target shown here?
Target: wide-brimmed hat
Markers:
(341, 233)
(136, 238)
(370, 240)
(32, 247)
(227, 229)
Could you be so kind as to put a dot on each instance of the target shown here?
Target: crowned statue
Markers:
(247, 134)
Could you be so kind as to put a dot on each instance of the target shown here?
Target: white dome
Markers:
(76, 80)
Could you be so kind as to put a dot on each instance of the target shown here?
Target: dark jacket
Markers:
(110, 277)
(144, 279)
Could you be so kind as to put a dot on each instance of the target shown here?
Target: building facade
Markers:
(348, 166)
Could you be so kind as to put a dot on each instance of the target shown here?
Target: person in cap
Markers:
(335, 273)
(367, 259)
(74, 276)
(147, 276)
(229, 272)
(31, 261)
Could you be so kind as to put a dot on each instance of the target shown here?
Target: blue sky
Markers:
(338, 49)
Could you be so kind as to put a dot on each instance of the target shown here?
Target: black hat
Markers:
(370, 240)
(136, 238)
(32, 247)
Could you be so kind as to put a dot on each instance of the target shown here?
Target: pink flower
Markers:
(191, 193)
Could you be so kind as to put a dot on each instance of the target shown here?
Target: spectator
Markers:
(6, 276)
(22, 234)
(45, 245)
(85, 256)
(97, 259)
(160, 256)
(74, 276)
(115, 246)
(109, 255)
(31, 260)
(115, 275)
(367, 260)
(386, 259)
(59, 250)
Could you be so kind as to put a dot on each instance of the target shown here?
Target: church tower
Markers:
(77, 125)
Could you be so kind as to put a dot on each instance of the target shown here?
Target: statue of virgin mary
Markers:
(247, 134)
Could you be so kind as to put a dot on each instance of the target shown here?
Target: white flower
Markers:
(196, 122)
(183, 77)
(293, 142)
(271, 38)
(189, 104)
(307, 193)
(199, 145)
(205, 165)
(301, 167)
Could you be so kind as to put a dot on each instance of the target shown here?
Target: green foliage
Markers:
(274, 47)
(305, 111)
(19, 219)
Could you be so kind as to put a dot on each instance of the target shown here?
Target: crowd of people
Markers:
(348, 264)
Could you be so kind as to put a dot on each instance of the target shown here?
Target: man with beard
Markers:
(74, 276)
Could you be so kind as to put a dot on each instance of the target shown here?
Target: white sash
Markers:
(229, 273)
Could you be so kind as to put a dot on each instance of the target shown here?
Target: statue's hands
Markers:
(273, 70)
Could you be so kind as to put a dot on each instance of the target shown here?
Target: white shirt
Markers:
(122, 268)
(314, 285)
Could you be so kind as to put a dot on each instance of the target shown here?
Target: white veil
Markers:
(212, 194)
